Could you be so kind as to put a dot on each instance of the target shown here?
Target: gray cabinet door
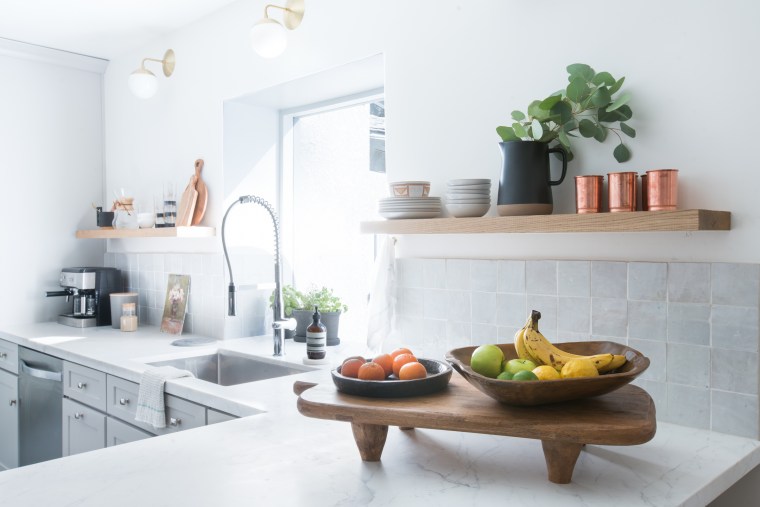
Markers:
(84, 429)
(118, 432)
(84, 384)
(8, 420)
(8, 356)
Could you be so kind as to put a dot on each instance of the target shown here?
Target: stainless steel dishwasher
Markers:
(40, 389)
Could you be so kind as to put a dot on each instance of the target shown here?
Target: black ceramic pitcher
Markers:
(525, 183)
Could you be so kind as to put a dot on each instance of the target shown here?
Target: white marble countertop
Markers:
(280, 457)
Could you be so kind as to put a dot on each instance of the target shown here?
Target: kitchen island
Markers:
(276, 456)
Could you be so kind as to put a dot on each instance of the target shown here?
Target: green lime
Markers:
(524, 375)
(505, 375)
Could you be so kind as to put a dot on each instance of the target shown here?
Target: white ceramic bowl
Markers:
(468, 210)
(146, 220)
(410, 188)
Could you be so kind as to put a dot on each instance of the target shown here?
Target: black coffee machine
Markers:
(90, 289)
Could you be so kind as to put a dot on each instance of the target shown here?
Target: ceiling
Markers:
(101, 28)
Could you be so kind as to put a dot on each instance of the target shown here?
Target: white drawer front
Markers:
(182, 415)
(8, 356)
(118, 433)
(85, 385)
(121, 398)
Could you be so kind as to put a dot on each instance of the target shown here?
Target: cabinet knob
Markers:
(12, 402)
(123, 401)
(3, 355)
(81, 385)
(175, 422)
(78, 415)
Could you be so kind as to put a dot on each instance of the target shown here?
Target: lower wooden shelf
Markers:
(638, 221)
(159, 232)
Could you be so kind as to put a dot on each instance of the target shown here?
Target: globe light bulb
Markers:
(269, 38)
(143, 83)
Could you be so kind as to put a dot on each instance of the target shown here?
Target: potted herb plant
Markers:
(330, 308)
(586, 106)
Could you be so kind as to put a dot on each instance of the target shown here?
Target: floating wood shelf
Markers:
(160, 232)
(639, 221)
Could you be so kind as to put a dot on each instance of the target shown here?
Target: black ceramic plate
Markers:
(438, 376)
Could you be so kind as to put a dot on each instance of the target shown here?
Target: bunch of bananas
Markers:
(531, 344)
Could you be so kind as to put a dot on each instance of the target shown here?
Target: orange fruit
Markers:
(401, 360)
(350, 367)
(411, 371)
(371, 371)
(399, 351)
(386, 361)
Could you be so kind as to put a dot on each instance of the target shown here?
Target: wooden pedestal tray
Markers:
(623, 417)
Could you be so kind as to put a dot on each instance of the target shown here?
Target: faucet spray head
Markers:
(231, 300)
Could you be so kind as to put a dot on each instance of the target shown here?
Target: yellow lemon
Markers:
(546, 372)
(579, 368)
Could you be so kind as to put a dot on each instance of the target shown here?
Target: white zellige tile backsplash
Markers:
(697, 322)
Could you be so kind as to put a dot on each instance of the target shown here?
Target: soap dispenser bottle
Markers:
(316, 338)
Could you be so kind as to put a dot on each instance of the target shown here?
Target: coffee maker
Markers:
(90, 290)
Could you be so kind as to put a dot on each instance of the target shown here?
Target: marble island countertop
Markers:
(279, 457)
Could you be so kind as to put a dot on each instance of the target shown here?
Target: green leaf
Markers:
(507, 134)
(580, 70)
(537, 130)
(627, 130)
(620, 101)
(563, 139)
(563, 111)
(577, 90)
(535, 111)
(623, 113)
(621, 153)
(587, 128)
(614, 88)
(549, 102)
(601, 133)
(519, 130)
(518, 115)
(572, 124)
(604, 78)
(601, 97)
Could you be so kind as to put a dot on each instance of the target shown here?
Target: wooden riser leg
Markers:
(560, 459)
(370, 438)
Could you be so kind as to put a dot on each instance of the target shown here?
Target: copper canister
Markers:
(588, 194)
(621, 191)
(644, 193)
(662, 189)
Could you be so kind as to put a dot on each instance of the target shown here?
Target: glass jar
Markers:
(128, 317)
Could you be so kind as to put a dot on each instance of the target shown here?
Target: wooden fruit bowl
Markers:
(540, 392)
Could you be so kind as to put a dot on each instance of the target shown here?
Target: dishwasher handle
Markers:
(55, 376)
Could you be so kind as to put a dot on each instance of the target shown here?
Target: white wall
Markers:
(454, 71)
(52, 170)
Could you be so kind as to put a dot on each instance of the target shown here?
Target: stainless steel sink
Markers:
(228, 368)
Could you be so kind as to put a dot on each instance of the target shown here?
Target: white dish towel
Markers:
(382, 301)
(150, 398)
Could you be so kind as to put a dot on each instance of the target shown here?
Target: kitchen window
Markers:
(333, 175)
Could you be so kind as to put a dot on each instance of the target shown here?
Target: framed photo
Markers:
(175, 304)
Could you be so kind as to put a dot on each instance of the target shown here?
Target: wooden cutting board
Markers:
(187, 204)
(202, 200)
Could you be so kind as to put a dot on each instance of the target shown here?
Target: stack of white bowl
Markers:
(468, 197)
(410, 200)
